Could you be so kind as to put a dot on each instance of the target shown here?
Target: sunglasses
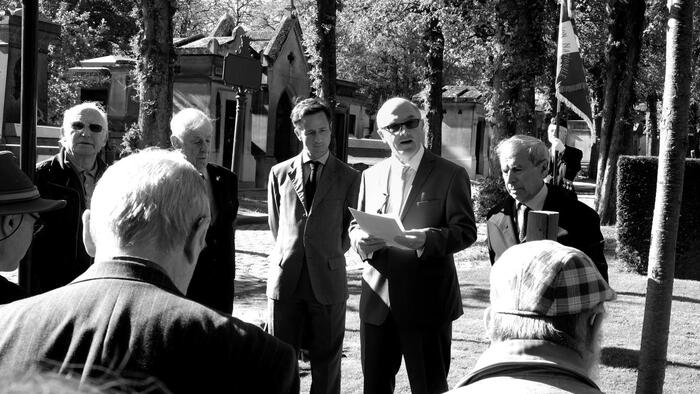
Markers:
(95, 128)
(396, 127)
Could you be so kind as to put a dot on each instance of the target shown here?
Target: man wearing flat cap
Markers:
(544, 322)
(20, 205)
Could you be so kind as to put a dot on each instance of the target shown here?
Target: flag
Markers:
(571, 86)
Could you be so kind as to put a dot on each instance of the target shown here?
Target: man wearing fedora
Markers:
(544, 322)
(20, 205)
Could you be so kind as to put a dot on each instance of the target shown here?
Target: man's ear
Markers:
(382, 136)
(544, 168)
(297, 132)
(7, 224)
(196, 240)
(87, 236)
(175, 142)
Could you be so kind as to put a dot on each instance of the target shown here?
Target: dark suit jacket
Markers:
(213, 279)
(423, 291)
(58, 252)
(126, 316)
(320, 235)
(578, 220)
(9, 291)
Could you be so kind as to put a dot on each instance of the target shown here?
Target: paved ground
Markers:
(254, 243)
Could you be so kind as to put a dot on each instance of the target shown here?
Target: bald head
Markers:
(395, 110)
(400, 126)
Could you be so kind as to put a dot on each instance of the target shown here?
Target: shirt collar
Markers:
(537, 203)
(79, 170)
(413, 162)
(531, 352)
(305, 158)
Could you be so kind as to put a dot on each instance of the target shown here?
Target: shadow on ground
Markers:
(675, 298)
(629, 358)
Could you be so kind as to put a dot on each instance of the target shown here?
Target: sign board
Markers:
(242, 71)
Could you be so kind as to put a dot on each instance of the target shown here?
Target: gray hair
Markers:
(155, 196)
(187, 120)
(71, 112)
(571, 331)
(535, 147)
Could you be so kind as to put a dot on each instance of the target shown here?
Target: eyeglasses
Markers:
(396, 127)
(38, 224)
(94, 127)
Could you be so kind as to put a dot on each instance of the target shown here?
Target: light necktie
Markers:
(310, 187)
(406, 173)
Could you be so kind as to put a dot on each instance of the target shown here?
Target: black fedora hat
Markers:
(17, 193)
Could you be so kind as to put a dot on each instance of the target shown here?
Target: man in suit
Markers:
(127, 314)
(524, 165)
(20, 206)
(308, 200)
(410, 296)
(566, 159)
(213, 281)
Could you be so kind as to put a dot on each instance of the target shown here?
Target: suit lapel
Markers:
(324, 182)
(424, 169)
(296, 174)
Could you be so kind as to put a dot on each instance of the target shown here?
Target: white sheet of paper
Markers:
(384, 226)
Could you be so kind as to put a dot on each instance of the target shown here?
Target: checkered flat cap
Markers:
(546, 278)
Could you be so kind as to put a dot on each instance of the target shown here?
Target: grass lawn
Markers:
(622, 329)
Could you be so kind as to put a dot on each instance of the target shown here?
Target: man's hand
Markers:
(365, 242)
(412, 239)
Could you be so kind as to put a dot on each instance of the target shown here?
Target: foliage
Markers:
(635, 200)
(78, 36)
(131, 141)
(487, 194)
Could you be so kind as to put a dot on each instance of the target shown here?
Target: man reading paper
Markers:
(410, 297)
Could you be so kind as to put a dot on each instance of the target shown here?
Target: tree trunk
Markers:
(651, 126)
(518, 48)
(156, 61)
(326, 51)
(434, 47)
(624, 47)
(669, 190)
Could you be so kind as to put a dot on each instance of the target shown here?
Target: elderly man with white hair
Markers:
(213, 280)
(545, 323)
(524, 162)
(127, 313)
(58, 252)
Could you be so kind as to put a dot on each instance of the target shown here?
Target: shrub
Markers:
(636, 191)
(487, 193)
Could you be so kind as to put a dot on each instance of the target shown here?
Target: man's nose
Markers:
(403, 129)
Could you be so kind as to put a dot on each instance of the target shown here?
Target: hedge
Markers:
(636, 191)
